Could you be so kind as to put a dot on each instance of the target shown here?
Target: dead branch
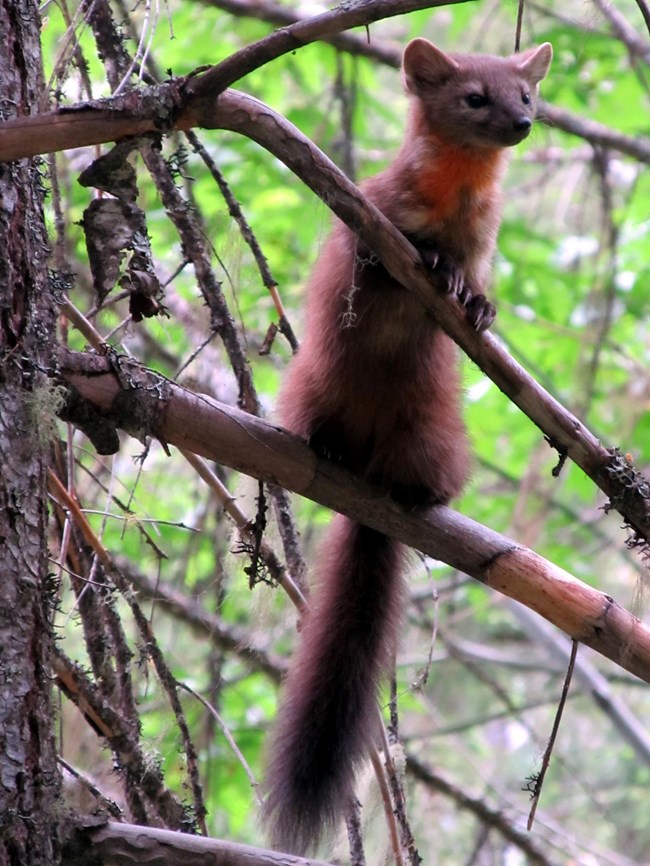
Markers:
(131, 844)
(147, 405)
(591, 680)
(123, 740)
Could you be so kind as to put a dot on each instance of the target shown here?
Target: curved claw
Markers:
(464, 295)
(456, 282)
(430, 256)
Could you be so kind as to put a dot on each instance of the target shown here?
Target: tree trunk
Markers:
(29, 779)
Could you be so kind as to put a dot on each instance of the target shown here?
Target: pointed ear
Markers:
(535, 62)
(424, 65)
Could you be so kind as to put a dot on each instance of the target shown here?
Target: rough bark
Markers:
(28, 769)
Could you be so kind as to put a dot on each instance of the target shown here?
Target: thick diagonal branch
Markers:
(149, 405)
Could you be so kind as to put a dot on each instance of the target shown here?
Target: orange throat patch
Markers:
(457, 176)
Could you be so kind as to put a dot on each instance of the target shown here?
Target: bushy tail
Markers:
(328, 710)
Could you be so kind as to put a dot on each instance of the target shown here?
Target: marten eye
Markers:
(525, 98)
(476, 100)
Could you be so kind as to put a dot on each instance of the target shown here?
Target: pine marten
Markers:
(375, 387)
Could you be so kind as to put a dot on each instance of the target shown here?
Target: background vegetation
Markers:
(478, 677)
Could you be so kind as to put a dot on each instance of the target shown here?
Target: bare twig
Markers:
(546, 760)
(245, 526)
(151, 646)
(103, 719)
(282, 15)
(235, 211)
(629, 726)
(645, 11)
(229, 738)
(196, 248)
(382, 781)
(103, 802)
(593, 132)
(637, 45)
(355, 840)
(520, 20)
(393, 777)
(208, 625)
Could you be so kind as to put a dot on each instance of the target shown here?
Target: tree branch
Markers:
(145, 404)
(280, 15)
(131, 844)
(629, 726)
(594, 132)
(390, 55)
(123, 740)
(628, 491)
(207, 625)
(80, 125)
(301, 33)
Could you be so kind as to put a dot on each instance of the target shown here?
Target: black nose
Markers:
(522, 124)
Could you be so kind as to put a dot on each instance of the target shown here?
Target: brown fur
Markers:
(375, 386)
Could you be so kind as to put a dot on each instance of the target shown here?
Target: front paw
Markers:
(448, 272)
(453, 280)
(480, 312)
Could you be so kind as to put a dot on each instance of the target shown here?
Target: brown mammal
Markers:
(375, 387)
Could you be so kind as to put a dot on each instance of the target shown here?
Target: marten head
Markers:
(475, 100)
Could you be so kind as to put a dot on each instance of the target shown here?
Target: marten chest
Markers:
(456, 200)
